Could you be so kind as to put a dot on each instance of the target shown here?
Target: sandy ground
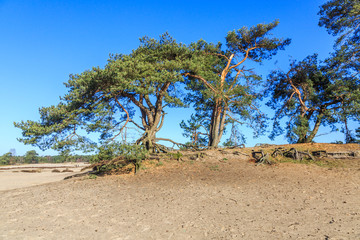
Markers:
(213, 198)
(12, 177)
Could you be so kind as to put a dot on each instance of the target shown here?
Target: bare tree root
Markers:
(278, 152)
(336, 155)
(292, 153)
(297, 155)
(261, 158)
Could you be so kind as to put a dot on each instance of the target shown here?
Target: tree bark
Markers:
(217, 125)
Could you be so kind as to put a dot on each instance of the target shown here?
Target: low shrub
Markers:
(114, 157)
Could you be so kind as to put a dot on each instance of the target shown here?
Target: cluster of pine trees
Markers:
(214, 79)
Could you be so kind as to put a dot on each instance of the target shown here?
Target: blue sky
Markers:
(42, 42)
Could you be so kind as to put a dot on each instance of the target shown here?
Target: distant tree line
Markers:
(137, 88)
(33, 157)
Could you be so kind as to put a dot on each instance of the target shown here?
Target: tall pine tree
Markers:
(223, 89)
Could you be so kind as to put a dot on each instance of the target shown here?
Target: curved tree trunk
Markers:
(309, 138)
(151, 128)
(152, 116)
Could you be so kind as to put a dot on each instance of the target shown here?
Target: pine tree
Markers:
(223, 89)
(341, 18)
(195, 129)
(310, 95)
(104, 100)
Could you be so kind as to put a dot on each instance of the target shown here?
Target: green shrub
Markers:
(115, 156)
(176, 155)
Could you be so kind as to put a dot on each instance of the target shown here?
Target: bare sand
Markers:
(13, 176)
(225, 197)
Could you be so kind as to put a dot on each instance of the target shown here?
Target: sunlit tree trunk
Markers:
(217, 124)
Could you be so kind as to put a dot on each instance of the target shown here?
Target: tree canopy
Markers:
(136, 89)
(341, 18)
(105, 100)
(313, 93)
(31, 157)
(310, 95)
(5, 158)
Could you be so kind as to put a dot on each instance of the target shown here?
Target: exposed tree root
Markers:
(261, 158)
(322, 153)
(292, 153)
(297, 155)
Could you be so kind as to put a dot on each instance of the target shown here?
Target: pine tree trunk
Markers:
(217, 125)
(151, 128)
(149, 139)
(315, 129)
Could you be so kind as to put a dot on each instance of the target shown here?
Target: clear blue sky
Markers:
(42, 42)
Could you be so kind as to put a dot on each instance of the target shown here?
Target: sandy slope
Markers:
(213, 199)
